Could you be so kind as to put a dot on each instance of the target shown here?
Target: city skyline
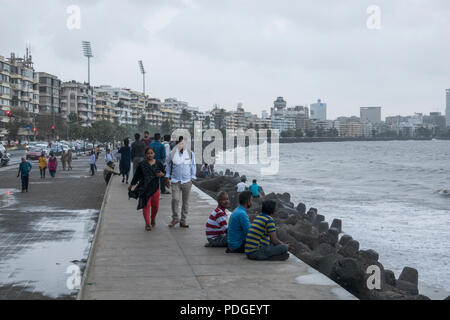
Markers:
(238, 58)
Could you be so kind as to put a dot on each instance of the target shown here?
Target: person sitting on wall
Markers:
(262, 242)
(216, 226)
(109, 171)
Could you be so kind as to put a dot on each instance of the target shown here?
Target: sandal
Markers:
(173, 223)
(153, 223)
(184, 225)
(148, 228)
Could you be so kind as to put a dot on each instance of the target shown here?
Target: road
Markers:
(47, 231)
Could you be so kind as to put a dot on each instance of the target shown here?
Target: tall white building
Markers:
(78, 98)
(447, 110)
(318, 111)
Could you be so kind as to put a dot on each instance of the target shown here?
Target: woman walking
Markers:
(52, 165)
(125, 160)
(147, 174)
(42, 165)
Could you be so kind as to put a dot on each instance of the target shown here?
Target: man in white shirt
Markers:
(181, 169)
(109, 157)
(242, 186)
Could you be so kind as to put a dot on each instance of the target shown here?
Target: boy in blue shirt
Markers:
(239, 224)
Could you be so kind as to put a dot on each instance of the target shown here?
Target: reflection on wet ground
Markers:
(45, 231)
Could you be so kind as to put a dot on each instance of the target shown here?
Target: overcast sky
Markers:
(224, 52)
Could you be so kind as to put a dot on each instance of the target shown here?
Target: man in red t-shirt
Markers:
(217, 226)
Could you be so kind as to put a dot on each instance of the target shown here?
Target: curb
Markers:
(94, 239)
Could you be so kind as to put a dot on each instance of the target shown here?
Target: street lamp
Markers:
(141, 66)
(87, 50)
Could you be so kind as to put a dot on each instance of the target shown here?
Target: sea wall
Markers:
(321, 244)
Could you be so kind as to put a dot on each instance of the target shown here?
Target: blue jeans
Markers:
(266, 253)
(218, 242)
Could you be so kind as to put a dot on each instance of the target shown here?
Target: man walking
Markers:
(64, 159)
(24, 172)
(137, 151)
(181, 169)
(166, 145)
(147, 140)
(92, 163)
(160, 155)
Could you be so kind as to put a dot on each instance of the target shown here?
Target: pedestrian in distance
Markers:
(137, 151)
(257, 191)
(216, 226)
(42, 165)
(109, 156)
(180, 171)
(242, 186)
(160, 155)
(148, 173)
(92, 163)
(147, 140)
(167, 149)
(52, 165)
(69, 160)
(64, 159)
(24, 173)
(262, 242)
(239, 224)
(125, 160)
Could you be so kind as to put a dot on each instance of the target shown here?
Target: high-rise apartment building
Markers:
(5, 95)
(78, 98)
(370, 115)
(318, 111)
(49, 94)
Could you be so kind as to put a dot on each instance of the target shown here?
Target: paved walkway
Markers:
(126, 262)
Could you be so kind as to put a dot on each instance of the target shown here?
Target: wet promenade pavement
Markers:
(47, 230)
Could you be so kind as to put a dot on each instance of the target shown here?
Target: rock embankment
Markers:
(323, 246)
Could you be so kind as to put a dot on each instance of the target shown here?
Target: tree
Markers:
(299, 133)
(185, 116)
(17, 120)
(208, 122)
(142, 124)
(166, 128)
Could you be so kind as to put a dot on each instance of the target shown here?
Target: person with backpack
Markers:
(181, 169)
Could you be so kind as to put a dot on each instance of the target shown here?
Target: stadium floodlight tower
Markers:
(87, 50)
(141, 65)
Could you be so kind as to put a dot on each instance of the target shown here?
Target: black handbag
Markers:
(135, 194)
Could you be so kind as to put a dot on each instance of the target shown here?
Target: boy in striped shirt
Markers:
(262, 242)
(216, 226)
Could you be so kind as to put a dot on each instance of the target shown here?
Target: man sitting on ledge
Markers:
(262, 242)
(239, 224)
(216, 226)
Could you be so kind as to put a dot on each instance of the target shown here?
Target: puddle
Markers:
(42, 265)
(7, 197)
